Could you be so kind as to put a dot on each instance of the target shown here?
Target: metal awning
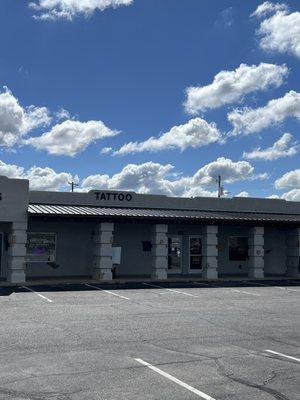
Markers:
(52, 210)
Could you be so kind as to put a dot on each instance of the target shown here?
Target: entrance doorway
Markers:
(174, 255)
(195, 254)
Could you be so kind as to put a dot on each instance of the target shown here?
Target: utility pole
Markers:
(73, 185)
(220, 188)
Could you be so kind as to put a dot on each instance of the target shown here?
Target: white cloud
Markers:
(149, 177)
(230, 86)
(229, 171)
(106, 150)
(62, 114)
(10, 170)
(16, 121)
(39, 178)
(292, 195)
(47, 179)
(68, 9)
(242, 194)
(284, 147)
(195, 133)
(248, 120)
(71, 137)
(280, 31)
(268, 8)
(290, 180)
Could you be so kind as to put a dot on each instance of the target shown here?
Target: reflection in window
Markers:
(238, 248)
(174, 253)
(195, 253)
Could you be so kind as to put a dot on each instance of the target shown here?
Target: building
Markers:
(58, 234)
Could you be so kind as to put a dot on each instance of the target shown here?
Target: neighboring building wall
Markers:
(275, 251)
(74, 249)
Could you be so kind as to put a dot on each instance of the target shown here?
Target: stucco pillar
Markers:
(103, 241)
(210, 252)
(293, 252)
(256, 252)
(159, 251)
(17, 252)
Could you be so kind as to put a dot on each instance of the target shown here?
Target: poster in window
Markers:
(41, 247)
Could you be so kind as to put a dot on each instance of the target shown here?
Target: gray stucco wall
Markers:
(134, 261)
(275, 251)
(74, 249)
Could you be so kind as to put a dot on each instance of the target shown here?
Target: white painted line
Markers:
(243, 291)
(107, 291)
(175, 380)
(276, 287)
(38, 294)
(170, 290)
(283, 355)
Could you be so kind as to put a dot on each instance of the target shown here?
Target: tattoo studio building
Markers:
(57, 234)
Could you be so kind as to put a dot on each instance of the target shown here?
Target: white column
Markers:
(210, 252)
(159, 251)
(256, 252)
(293, 252)
(103, 241)
(17, 252)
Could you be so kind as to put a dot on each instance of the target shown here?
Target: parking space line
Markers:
(175, 380)
(38, 294)
(107, 291)
(243, 291)
(170, 290)
(283, 355)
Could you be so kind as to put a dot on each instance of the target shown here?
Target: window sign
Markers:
(238, 248)
(41, 247)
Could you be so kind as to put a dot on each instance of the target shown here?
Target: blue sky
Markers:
(128, 67)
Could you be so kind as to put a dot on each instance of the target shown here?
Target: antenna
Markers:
(220, 188)
(73, 185)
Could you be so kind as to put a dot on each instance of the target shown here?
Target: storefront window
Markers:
(174, 254)
(195, 253)
(41, 247)
(238, 248)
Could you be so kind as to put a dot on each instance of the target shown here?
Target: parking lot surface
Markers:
(194, 340)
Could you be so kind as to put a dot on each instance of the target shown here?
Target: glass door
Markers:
(174, 255)
(195, 254)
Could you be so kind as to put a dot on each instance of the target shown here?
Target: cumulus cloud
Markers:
(10, 170)
(195, 133)
(229, 171)
(68, 9)
(279, 31)
(267, 8)
(284, 147)
(242, 194)
(47, 179)
(71, 137)
(290, 180)
(247, 120)
(16, 121)
(39, 178)
(292, 195)
(230, 86)
(148, 177)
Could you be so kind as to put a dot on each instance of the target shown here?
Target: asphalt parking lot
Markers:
(220, 341)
